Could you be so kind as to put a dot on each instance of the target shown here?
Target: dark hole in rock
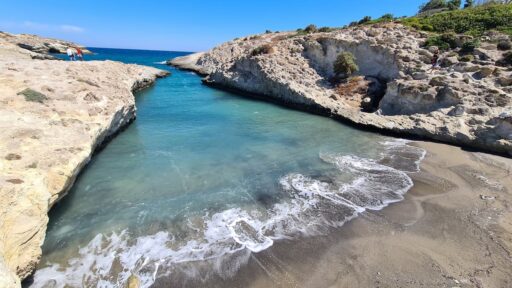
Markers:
(12, 156)
(15, 181)
(53, 50)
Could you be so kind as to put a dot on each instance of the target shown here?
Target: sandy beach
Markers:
(452, 230)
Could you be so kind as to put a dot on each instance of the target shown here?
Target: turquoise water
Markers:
(207, 177)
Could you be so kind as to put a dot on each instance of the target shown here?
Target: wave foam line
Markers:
(229, 237)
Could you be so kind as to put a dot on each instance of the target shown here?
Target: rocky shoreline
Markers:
(54, 116)
(462, 103)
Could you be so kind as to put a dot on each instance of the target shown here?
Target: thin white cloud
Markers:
(71, 28)
(42, 27)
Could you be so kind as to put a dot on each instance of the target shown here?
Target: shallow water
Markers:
(203, 178)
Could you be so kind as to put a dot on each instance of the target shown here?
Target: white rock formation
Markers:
(460, 103)
(53, 115)
(40, 44)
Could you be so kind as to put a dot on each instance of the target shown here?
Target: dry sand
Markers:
(454, 229)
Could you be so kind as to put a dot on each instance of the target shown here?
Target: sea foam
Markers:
(225, 240)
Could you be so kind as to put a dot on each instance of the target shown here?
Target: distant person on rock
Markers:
(71, 54)
(435, 61)
(79, 54)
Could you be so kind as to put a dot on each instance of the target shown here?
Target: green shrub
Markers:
(453, 4)
(450, 38)
(473, 21)
(470, 46)
(365, 20)
(268, 31)
(345, 65)
(325, 29)
(444, 41)
(476, 19)
(310, 29)
(387, 16)
(426, 27)
(33, 96)
(504, 45)
(263, 49)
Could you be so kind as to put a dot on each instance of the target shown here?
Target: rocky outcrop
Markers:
(190, 63)
(459, 103)
(38, 44)
(53, 115)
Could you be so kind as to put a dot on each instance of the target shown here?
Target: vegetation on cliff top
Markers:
(442, 16)
(473, 21)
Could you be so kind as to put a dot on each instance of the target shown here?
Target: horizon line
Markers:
(141, 49)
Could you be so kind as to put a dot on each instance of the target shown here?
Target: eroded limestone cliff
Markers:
(465, 103)
(53, 115)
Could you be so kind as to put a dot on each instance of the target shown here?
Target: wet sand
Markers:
(454, 229)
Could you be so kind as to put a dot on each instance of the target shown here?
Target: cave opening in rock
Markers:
(364, 90)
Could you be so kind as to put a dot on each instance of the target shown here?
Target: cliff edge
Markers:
(53, 115)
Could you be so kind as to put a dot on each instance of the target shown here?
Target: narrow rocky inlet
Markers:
(217, 189)
(371, 154)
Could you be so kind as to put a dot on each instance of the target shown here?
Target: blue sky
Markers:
(187, 25)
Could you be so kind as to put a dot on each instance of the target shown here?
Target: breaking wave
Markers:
(221, 243)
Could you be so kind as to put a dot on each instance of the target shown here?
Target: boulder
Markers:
(446, 96)
(484, 72)
(505, 81)
(419, 75)
(449, 61)
(482, 54)
(433, 49)
(457, 111)
(438, 81)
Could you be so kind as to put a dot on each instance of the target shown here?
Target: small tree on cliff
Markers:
(311, 28)
(345, 65)
(387, 16)
(454, 4)
(433, 5)
(440, 5)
